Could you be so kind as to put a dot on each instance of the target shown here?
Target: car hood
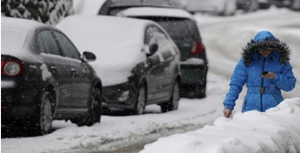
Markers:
(115, 65)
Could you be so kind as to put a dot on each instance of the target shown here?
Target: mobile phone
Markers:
(264, 72)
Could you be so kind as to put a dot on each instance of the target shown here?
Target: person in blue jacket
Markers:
(265, 69)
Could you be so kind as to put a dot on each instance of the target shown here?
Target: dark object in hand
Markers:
(264, 73)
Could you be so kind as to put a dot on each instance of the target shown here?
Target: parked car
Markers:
(281, 3)
(44, 77)
(292, 4)
(183, 29)
(137, 61)
(111, 7)
(248, 5)
(220, 7)
(264, 4)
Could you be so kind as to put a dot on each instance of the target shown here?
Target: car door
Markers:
(169, 64)
(80, 74)
(159, 62)
(58, 67)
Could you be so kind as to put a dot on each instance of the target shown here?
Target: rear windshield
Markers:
(12, 38)
(177, 28)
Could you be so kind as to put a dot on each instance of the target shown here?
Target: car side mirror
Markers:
(152, 49)
(88, 56)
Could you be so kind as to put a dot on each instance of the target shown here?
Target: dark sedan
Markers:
(44, 77)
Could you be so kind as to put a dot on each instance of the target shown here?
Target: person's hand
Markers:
(269, 75)
(227, 112)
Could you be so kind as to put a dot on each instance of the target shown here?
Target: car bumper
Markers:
(193, 74)
(17, 102)
(119, 97)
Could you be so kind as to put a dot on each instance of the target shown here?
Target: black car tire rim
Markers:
(45, 122)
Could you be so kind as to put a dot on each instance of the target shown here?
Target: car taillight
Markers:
(198, 48)
(12, 68)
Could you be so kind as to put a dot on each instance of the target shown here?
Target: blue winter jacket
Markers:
(262, 93)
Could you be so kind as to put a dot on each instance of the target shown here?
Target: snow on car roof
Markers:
(15, 32)
(117, 43)
(152, 11)
(20, 23)
(104, 29)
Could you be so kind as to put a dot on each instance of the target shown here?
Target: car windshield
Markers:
(177, 28)
(115, 10)
(12, 38)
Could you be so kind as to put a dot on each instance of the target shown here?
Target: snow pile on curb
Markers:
(276, 131)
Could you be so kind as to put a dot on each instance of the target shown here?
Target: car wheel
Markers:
(94, 113)
(173, 103)
(43, 123)
(141, 101)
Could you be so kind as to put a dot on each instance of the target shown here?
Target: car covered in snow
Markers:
(248, 5)
(138, 62)
(183, 29)
(44, 77)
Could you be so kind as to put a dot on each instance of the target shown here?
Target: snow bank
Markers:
(276, 131)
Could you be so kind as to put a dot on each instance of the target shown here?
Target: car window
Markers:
(177, 28)
(156, 35)
(68, 49)
(47, 43)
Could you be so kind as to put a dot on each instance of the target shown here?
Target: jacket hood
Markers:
(266, 40)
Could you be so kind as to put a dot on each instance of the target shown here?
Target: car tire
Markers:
(173, 103)
(43, 122)
(141, 101)
(94, 112)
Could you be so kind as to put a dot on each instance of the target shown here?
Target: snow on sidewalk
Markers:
(275, 131)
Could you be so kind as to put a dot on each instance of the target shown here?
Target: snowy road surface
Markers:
(224, 37)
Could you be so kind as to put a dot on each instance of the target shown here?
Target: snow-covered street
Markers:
(224, 38)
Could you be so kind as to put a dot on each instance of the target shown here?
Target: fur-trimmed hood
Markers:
(265, 39)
